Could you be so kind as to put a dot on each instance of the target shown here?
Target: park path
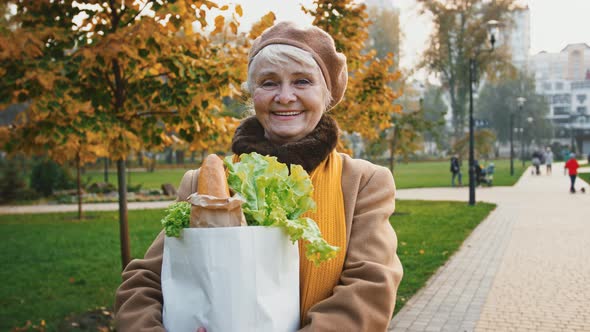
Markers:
(524, 268)
(50, 208)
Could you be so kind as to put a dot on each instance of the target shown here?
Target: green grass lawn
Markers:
(585, 177)
(407, 175)
(437, 174)
(428, 233)
(148, 180)
(54, 266)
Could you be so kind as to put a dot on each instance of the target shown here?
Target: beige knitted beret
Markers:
(315, 41)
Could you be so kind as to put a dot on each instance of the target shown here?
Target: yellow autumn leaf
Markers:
(239, 10)
(234, 27)
(166, 140)
(219, 23)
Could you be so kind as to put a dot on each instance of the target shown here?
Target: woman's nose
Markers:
(285, 95)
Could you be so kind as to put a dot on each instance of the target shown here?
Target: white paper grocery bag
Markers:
(230, 279)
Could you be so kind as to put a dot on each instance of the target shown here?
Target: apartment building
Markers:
(564, 79)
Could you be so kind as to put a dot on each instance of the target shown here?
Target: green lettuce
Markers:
(178, 216)
(276, 197)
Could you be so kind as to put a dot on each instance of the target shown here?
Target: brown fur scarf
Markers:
(308, 152)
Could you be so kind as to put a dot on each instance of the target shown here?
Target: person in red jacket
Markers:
(572, 166)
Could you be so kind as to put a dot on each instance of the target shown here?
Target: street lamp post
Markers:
(492, 28)
(471, 139)
(511, 143)
(528, 127)
(572, 143)
(521, 131)
(521, 101)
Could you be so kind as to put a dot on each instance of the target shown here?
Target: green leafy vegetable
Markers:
(177, 217)
(276, 198)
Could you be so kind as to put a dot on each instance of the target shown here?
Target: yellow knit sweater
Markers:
(317, 282)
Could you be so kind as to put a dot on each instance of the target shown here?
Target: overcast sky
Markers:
(554, 23)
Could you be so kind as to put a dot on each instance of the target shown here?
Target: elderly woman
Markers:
(294, 76)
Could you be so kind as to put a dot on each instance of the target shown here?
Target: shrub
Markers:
(101, 188)
(47, 176)
(134, 188)
(12, 183)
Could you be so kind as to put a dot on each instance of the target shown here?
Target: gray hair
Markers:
(282, 54)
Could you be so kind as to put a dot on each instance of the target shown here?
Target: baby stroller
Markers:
(484, 176)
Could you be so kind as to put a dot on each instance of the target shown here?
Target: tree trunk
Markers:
(169, 156)
(392, 146)
(179, 157)
(203, 155)
(79, 185)
(106, 170)
(128, 178)
(123, 224)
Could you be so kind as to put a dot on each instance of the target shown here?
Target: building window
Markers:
(581, 110)
(560, 110)
(581, 98)
(563, 99)
(559, 86)
(575, 70)
(546, 86)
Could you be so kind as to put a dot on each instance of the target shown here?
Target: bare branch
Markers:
(137, 14)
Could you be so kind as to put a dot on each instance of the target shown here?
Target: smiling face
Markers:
(289, 96)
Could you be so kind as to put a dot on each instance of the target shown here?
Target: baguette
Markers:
(211, 204)
(212, 180)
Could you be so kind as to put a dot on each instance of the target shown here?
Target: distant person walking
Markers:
(456, 170)
(537, 162)
(548, 160)
(572, 166)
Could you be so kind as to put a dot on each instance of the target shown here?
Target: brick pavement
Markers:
(524, 268)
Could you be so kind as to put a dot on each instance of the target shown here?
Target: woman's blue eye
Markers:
(268, 84)
(302, 82)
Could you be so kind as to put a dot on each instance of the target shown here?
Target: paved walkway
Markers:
(524, 268)
(49, 208)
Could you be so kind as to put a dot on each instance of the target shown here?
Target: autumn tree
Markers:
(421, 114)
(34, 50)
(58, 131)
(484, 140)
(409, 127)
(460, 34)
(435, 110)
(143, 68)
(497, 102)
(369, 99)
(384, 32)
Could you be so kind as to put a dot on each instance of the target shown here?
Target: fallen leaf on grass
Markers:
(30, 327)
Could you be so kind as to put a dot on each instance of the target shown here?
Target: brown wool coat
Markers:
(363, 300)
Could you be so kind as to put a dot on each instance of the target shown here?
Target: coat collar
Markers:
(308, 152)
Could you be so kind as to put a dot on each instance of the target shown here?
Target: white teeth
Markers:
(287, 113)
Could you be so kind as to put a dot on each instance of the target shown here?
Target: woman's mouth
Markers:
(290, 113)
